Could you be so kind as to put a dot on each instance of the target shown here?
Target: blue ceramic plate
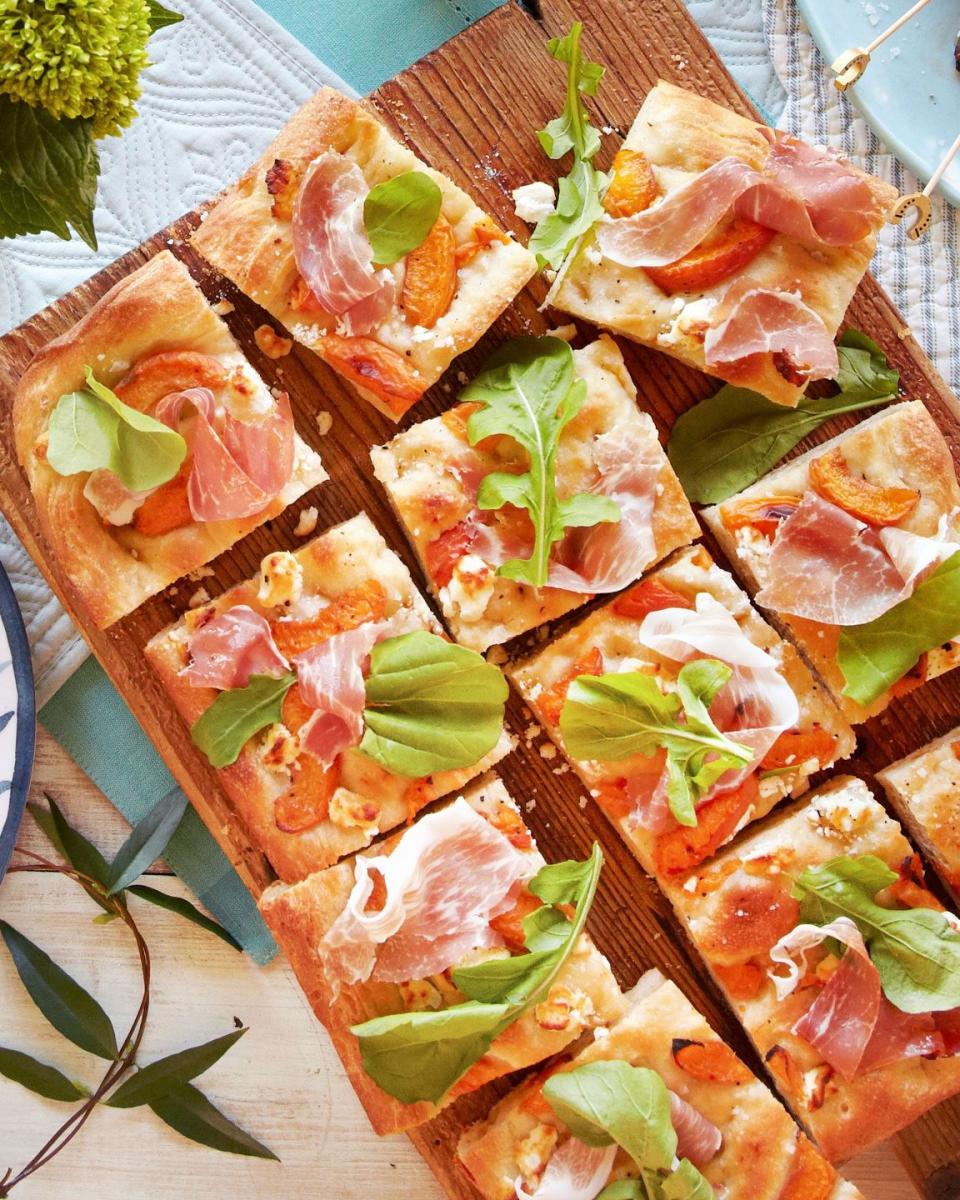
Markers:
(18, 722)
(910, 92)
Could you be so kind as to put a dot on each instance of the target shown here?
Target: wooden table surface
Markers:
(282, 1082)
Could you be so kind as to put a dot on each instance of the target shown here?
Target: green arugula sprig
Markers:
(874, 656)
(579, 193)
(163, 1085)
(417, 1056)
(399, 213)
(915, 950)
(528, 391)
(431, 705)
(610, 1102)
(726, 442)
(611, 717)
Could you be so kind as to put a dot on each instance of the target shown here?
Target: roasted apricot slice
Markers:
(633, 186)
(796, 746)
(306, 802)
(713, 1062)
(167, 508)
(510, 924)
(763, 513)
(649, 596)
(553, 698)
(430, 278)
(158, 375)
(484, 235)
(831, 476)
(714, 259)
(302, 300)
(685, 847)
(283, 181)
(357, 606)
(811, 1176)
(368, 364)
(742, 981)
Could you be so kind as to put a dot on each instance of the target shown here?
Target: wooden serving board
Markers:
(470, 109)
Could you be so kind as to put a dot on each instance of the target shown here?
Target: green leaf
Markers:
(147, 841)
(160, 16)
(237, 714)
(726, 442)
(48, 173)
(420, 1055)
(610, 1101)
(183, 908)
(93, 428)
(874, 656)
(686, 1183)
(38, 1077)
(431, 705)
(611, 717)
(915, 950)
(528, 392)
(578, 205)
(187, 1110)
(399, 213)
(80, 853)
(156, 1079)
(69, 1008)
(624, 1189)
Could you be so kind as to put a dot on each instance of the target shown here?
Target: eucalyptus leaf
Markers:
(69, 1008)
(874, 656)
(527, 391)
(237, 714)
(147, 841)
(399, 213)
(431, 705)
(187, 1110)
(160, 17)
(726, 442)
(183, 908)
(915, 950)
(155, 1080)
(80, 853)
(38, 1077)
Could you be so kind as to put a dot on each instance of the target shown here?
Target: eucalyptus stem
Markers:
(126, 1056)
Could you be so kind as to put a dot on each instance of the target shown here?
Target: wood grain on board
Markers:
(470, 109)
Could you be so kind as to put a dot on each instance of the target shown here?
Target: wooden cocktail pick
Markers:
(921, 200)
(852, 63)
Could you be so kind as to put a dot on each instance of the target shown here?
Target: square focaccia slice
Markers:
(431, 474)
(725, 246)
(924, 788)
(841, 537)
(447, 892)
(291, 235)
(302, 813)
(727, 1122)
(151, 336)
(687, 609)
(853, 1067)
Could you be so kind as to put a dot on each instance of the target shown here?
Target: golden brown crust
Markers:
(899, 447)
(243, 238)
(300, 915)
(682, 134)
(342, 558)
(113, 570)
(840, 818)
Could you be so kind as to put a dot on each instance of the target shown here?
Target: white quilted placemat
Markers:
(221, 83)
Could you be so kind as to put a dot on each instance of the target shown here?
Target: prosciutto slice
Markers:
(575, 1171)
(226, 651)
(753, 320)
(237, 471)
(331, 247)
(450, 874)
(828, 566)
(330, 676)
(697, 1138)
(754, 707)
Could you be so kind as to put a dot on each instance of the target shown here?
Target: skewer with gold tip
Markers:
(921, 200)
(851, 64)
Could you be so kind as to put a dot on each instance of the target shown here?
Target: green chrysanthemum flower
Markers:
(75, 58)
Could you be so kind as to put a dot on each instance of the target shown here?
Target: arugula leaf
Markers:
(726, 442)
(578, 205)
(431, 705)
(94, 428)
(915, 950)
(420, 1055)
(160, 16)
(528, 391)
(874, 656)
(399, 213)
(237, 714)
(48, 173)
(611, 717)
(612, 1101)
